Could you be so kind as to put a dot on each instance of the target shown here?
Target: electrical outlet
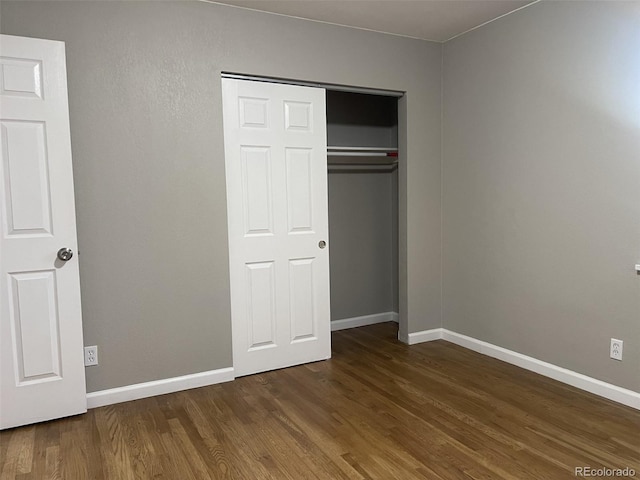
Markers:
(90, 356)
(616, 349)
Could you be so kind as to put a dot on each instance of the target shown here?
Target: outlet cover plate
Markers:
(616, 349)
(91, 356)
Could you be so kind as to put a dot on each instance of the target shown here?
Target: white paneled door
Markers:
(42, 367)
(276, 170)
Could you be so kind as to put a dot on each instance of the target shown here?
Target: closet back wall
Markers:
(147, 140)
(362, 220)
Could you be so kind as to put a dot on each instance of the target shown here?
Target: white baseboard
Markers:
(578, 380)
(421, 337)
(158, 387)
(353, 322)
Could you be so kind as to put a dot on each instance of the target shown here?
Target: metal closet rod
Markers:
(360, 167)
(362, 154)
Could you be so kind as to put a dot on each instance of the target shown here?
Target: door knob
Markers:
(65, 254)
(322, 244)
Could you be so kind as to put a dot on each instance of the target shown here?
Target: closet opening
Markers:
(362, 162)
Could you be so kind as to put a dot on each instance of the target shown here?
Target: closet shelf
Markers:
(362, 155)
(337, 149)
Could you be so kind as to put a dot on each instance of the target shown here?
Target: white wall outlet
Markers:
(616, 349)
(90, 356)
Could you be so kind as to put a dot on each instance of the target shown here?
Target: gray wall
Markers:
(146, 132)
(362, 225)
(541, 185)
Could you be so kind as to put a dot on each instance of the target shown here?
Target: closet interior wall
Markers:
(363, 206)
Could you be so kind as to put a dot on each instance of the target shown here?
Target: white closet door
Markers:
(276, 171)
(42, 367)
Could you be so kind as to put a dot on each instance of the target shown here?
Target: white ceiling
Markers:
(436, 20)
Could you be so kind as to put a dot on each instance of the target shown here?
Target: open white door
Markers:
(41, 356)
(276, 170)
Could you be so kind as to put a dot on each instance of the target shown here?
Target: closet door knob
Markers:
(65, 254)
(322, 244)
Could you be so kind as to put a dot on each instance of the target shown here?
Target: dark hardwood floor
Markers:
(377, 410)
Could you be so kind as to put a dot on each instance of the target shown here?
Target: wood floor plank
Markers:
(115, 454)
(74, 442)
(52, 463)
(19, 456)
(378, 410)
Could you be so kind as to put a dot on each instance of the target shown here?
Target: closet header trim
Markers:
(327, 86)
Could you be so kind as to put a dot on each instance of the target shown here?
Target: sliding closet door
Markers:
(276, 170)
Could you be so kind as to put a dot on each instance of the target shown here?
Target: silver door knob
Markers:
(65, 254)
(322, 244)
